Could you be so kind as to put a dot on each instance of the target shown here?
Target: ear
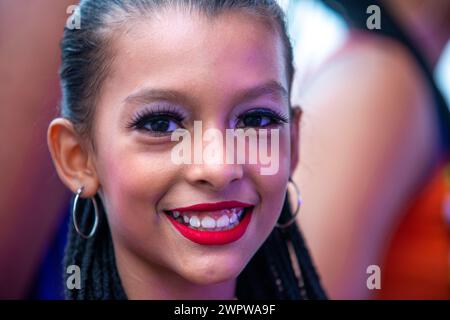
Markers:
(295, 136)
(73, 162)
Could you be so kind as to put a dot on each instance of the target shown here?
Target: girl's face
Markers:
(168, 71)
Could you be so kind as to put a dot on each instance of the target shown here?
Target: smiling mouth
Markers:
(217, 220)
(216, 223)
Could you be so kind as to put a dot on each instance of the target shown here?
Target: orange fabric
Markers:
(417, 262)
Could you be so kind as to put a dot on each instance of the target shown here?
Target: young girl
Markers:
(145, 227)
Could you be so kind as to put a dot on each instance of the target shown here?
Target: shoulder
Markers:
(375, 62)
(374, 80)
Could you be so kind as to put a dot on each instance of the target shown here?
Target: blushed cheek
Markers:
(132, 185)
(272, 188)
(119, 189)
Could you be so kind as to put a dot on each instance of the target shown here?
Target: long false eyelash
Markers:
(142, 116)
(276, 115)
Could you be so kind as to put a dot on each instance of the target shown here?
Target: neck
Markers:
(425, 23)
(142, 281)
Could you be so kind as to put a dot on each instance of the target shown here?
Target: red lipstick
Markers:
(207, 237)
(214, 206)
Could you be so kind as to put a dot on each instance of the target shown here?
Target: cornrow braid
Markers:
(95, 256)
(270, 274)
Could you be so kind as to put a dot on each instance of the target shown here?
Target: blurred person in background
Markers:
(375, 143)
(32, 199)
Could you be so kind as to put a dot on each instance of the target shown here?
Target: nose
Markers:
(215, 177)
(213, 173)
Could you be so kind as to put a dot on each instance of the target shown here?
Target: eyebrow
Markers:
(272, 88)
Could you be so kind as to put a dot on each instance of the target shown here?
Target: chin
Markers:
(212, 273)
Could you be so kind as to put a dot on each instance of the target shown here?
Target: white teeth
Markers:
(228, 218)
(233, 218)
(208, 223)
(194, 222)
(223, 221)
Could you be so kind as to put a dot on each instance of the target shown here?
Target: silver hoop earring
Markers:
(297, 210)
(74, 215)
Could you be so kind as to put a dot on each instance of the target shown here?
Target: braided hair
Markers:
(280, 269)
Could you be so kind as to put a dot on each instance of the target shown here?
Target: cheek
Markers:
(132, 182)
(272, 188)
(273, 191)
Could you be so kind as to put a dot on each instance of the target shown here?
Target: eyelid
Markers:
(265, 111)
(155, 111)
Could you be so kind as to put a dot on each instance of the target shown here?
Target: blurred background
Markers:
(317, 31)
(373, 146)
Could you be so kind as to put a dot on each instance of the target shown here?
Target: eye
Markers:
(157, 123)
(260, 118)
(160, 124)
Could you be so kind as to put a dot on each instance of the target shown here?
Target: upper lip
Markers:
(213, 206)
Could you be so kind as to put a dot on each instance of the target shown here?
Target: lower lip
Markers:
(214, 237)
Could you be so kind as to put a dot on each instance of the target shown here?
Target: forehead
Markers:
(175, 48)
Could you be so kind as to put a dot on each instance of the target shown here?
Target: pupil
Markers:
(252, 121)
(160, 125)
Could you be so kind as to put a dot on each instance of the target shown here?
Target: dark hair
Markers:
(280, 269)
